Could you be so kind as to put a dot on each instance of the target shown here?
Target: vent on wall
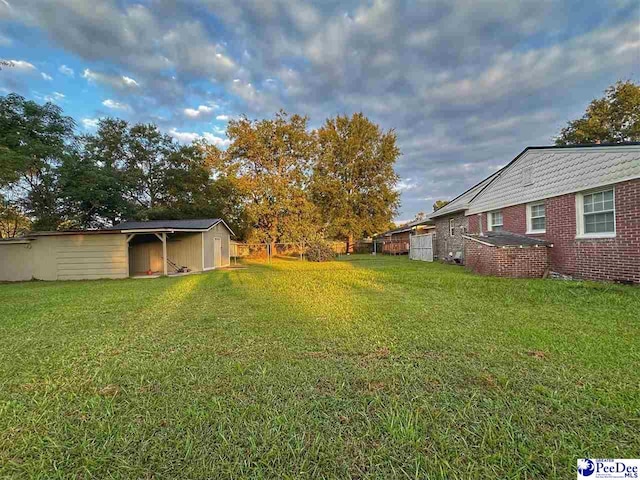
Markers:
(527, 176)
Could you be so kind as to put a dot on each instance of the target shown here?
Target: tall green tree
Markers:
(269, 162)
(353, 179)
(614, 118)
(34, 139)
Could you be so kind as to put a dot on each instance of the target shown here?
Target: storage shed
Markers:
(159, 247)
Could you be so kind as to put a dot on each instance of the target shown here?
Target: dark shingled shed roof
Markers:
(508, 239)
(183, 224)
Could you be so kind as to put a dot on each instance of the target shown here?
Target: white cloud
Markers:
(130, 81)
(54, 97)
(119, 82)
(114, 105)
(90, 123)
(68, 71)
(188, 137)
(222, 118)
(46, 77)
(202, 110)
(21, 66)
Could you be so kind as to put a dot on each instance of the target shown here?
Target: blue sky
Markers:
(466, 84)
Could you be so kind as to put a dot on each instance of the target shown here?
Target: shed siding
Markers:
(185, 249)
(15, 263)
(145, 256)
(80, 257)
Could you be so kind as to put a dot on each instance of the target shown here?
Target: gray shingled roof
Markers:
(507, 239)
(462, 201)
(189, 224)
(543, 172)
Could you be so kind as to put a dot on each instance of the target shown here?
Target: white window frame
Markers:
(452, 227)
(490, 220)
(580, 214)
(530, 229)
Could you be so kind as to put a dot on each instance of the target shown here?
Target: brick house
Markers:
(573, 210)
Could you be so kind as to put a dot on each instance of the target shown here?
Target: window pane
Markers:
(599, 223)
(608, 195)
(537, 211)
(608, 205)
(538, 223)
(496, 218)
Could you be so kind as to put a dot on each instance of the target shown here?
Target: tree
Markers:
(438, 204)
(13, 222)
(353, 180)
(34, 139)
(268, 162)
(614, 118)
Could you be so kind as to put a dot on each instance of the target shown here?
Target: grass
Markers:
(365, 368)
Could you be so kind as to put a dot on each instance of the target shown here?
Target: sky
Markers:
(466, 84)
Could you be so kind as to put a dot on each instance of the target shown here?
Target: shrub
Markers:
(319, 251)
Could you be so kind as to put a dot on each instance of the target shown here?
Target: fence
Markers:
(421, 247)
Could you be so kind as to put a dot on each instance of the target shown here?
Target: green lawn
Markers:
(365, 368)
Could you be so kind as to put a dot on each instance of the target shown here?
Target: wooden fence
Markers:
(421, 247)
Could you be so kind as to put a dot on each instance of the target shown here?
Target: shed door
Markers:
(217, 251)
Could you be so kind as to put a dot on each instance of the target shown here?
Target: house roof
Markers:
(405, 228)
(507, 239)
(182, 224)
(542, 172)
(462, 201)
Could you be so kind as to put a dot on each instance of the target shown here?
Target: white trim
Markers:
(214, 251)
(452, 227)
(530, 230)
(580, 235)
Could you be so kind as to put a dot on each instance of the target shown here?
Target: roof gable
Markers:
(462, 201)
(543, 172)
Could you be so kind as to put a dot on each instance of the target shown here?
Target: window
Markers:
(452, 227)
(495, 221)
(596, 214)
(536, 219)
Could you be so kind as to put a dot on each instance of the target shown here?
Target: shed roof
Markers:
(507, 239)
(195, 224)
(543, 172)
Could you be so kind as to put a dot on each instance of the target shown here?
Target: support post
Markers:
(164, 253)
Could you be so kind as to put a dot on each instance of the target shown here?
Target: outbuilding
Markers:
(130, 249)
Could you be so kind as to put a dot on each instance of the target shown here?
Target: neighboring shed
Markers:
(128, 249)
(397, 241)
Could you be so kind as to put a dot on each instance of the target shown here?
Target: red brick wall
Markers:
(516, 262)
(602, 258)
(595, 259)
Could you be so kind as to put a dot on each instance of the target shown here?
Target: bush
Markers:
(319, 251)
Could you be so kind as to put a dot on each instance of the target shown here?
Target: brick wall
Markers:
(595, 259)
(602, 258)
(515, 262)
(444, 242)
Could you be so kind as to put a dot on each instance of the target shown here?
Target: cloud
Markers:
(189, 137)
(55, 97)
(90, 123)
(201, 111)
(117, 82)
(114, 105)
(222, 118)
(68, 71)
(46, 77)
(21, 66)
